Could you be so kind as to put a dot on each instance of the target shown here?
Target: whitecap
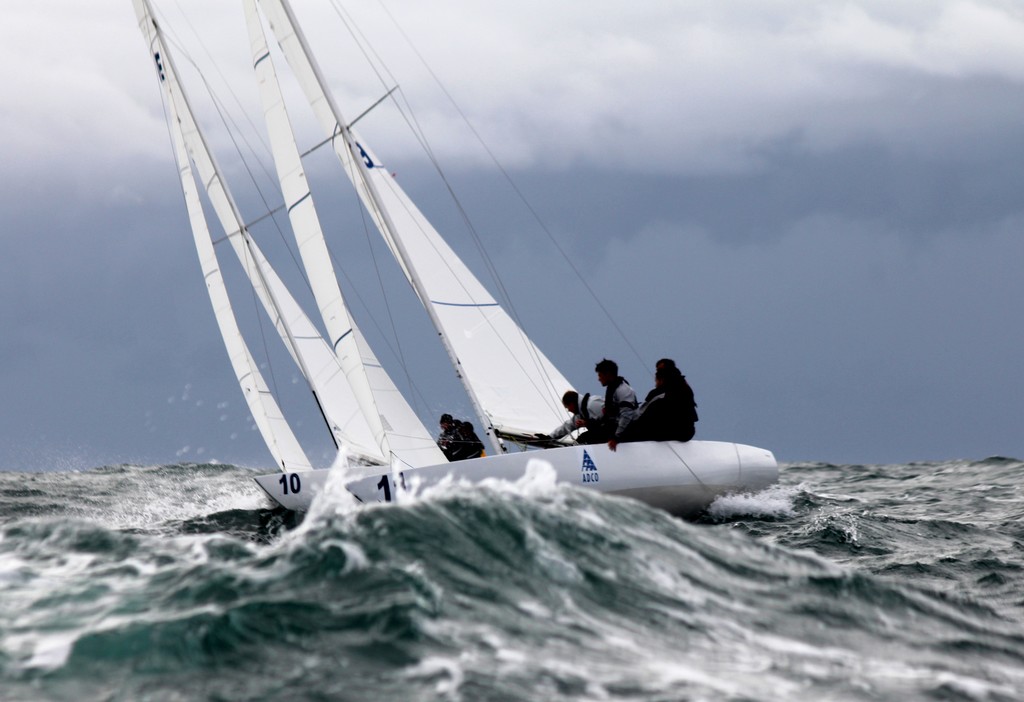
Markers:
(775, 501)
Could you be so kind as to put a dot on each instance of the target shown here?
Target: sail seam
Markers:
(465, 304)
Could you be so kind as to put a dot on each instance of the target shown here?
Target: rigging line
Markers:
(369, 109)
(549, 394)
(259, 320)
(328, 140)
(234, 130)
(355, 294)
(409, 115)
(364, 44)
(683, 461)
(270, 369)
(384, 296)
(220, 74)
(249, 262)
(252, 178)
(515, 188)
(273, 378)
(399, 353)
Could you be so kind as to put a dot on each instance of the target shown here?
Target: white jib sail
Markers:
(266, 414)
(395, 425)
(517, 387)
(307, 347)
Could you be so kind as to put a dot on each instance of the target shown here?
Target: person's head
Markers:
(571, 401)
(446, 421)
(607, 371)
(664, 363)
(663, 375)
(668, 367)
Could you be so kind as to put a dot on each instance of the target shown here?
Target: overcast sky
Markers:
(815, 208)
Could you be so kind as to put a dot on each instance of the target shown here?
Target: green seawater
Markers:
(894, 582)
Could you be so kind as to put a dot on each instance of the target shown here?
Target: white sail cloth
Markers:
(396, 429)
(514, 384)
(311, 353)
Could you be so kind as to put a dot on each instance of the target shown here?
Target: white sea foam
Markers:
(775, 501)
(334, 500)
(44, 651)
(538, 481)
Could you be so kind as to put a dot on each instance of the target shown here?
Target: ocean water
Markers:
(878, 582)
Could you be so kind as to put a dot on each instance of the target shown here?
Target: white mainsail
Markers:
(311, 353)
(513, 386)
(396, 428)
(277, 434)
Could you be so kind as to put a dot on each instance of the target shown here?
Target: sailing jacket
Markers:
(460, 442)
(620, 407)
(590, 414)
(668, 414)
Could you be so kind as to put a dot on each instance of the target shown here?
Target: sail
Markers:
(307, 347)
(395, 426)
(508, 378)
(267, 415)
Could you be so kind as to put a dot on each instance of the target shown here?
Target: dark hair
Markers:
(667, 371)
(665, 363)
(570, 396)
(606, 366)
(446, 419)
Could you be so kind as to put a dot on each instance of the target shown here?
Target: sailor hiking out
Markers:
(587, 414)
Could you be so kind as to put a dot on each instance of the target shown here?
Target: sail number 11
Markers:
(290, 482)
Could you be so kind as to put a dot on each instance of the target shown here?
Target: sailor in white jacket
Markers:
(587, 413)
(620, 404)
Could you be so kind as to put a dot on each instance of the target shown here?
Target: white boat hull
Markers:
(680, 478)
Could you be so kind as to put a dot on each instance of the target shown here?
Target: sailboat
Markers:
(514, 389)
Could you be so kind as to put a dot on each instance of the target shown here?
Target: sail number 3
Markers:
(366, 157)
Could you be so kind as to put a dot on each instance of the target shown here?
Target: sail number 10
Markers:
(290, 481)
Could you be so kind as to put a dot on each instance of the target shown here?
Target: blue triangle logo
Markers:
(588, 462)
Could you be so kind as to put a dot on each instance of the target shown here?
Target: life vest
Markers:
(611, 409)
(588, 421)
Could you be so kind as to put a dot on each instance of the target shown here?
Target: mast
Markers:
(383, 216)
(276, 432)
(305, 344)
(395, 426)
